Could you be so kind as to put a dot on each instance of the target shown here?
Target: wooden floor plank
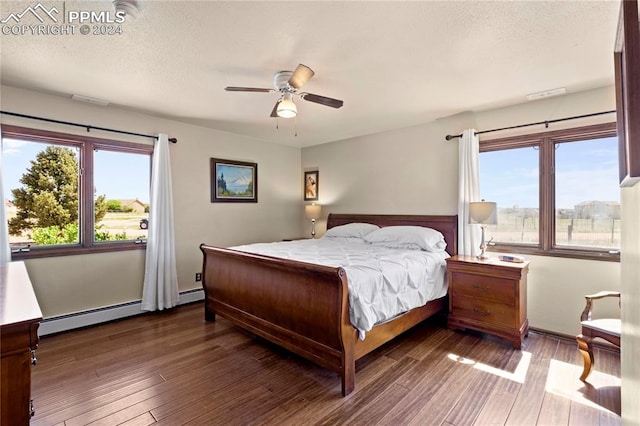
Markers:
(505, 389)
(526, 407)
(71, 409)
(609, 395)
(433, 329)
(77, 392)
(124, 409)
(144, 419)
(598, 400)
(486, 364)
(462, 406)
(555, 405)
(176, 369)
(360, 401)
(324, 396)
(432, 375)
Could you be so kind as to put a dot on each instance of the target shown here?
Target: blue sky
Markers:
(116, 175)
(585, 170)
(236, 177)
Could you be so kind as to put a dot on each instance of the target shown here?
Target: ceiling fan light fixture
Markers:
(286, 108)
(287, 84)
(128, 7)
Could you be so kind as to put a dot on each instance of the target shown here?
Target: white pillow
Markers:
(407, 237)
(350, 230)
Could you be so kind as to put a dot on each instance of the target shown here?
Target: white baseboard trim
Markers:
(109, 313)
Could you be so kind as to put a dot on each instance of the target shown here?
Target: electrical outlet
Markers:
(198, 276)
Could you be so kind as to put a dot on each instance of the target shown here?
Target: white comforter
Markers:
(383, 282)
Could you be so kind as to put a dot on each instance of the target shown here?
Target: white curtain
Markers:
(160, 289)
(468, 191)
(5, 250)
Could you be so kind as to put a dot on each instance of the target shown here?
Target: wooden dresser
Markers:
(20, 317)
(489, 296)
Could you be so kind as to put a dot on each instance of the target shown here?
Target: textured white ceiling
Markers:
(395, 64)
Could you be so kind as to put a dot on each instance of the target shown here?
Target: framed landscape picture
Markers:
(233, 181)
(311, 186)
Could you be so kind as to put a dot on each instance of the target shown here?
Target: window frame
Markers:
(546, 141)
(86, 146)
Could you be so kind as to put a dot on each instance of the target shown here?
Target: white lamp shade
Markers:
(286, 108)
(483, 212)
(312, 211)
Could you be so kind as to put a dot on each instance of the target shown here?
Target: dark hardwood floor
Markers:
(173, 368)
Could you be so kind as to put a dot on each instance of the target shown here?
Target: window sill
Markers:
(74, 250)
(572, 253)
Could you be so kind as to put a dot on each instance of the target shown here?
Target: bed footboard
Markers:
(300, 306)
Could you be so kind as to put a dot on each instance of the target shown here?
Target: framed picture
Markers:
(233, 181)
(311, 186)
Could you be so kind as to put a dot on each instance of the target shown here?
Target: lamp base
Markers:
(483, 247)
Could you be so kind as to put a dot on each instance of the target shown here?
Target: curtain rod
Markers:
(86, 126)
(546, 124)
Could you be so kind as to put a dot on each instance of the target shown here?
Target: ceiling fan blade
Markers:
(274, 113)
(300, 76)
(323, 100)
(247, 89)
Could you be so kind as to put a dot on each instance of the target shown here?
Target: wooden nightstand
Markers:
(489, 296)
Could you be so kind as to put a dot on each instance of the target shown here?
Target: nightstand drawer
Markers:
(490, 288)
(485, 311)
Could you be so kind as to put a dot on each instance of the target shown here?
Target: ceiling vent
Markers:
(547, 94)
(87, 99)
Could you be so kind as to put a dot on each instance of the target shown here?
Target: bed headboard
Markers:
(448, 225)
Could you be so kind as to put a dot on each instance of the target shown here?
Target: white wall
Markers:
(76, 283)
(630, 340)
(414, 171)
(403, 171)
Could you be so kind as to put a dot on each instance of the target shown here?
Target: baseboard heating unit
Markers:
(108, 313)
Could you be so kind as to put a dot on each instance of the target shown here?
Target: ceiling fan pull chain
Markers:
(277, 121)
(295, 119)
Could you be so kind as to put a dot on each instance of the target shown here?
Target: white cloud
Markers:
(12, 146)
(573, 187)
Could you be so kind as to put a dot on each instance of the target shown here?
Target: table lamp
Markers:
(312, 211)
(483, 213)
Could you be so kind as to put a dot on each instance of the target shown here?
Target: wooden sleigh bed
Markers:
(304, 307)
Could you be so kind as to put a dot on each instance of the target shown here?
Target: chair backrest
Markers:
(586, 313)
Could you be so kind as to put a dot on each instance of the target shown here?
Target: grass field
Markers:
(594, 232)
(113, 223)
(124, 222)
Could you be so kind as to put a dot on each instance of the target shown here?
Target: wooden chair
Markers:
(607, 329)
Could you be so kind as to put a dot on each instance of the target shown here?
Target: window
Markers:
(557, 192)
(68, 194)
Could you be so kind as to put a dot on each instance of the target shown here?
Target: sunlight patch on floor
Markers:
(517, 375)
(563, 380)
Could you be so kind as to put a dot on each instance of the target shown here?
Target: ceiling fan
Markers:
(287, 83)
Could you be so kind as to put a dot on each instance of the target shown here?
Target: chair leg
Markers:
(584, 345)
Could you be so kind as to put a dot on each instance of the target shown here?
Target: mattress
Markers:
(383, 282)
